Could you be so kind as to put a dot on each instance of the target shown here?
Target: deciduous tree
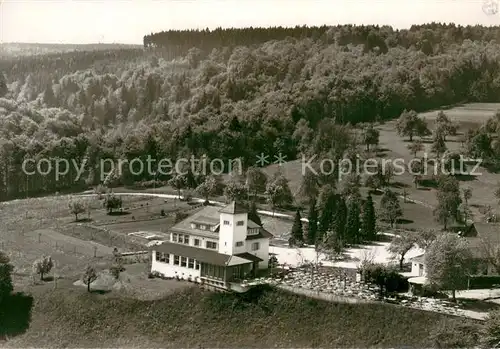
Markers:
(401, 245)
(89, 276)
(370, 136)
(113, 202)
(449, 200)
(178, 182)
(390, 209)
(278, 192)
(409, 124)
(207, 188)
(309, 188)
(77, 207)
(235, 191)
(256, 181)
(43, 266)
(448, 262)
(415, 147)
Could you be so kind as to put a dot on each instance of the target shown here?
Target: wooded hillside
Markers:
(229, 93)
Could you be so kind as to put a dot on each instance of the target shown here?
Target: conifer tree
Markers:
(312, 227)
(327, 208)
(369, 220)
(340, 218)
(353, 222)
(253, 215)
(297, 231)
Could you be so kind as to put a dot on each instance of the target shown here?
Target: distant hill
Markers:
(29, 49)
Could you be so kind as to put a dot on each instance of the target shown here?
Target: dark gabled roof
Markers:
(263, 234)
(234, 208)
(419, 259)
(205, 220)
(208, 213)
(486, 231)
(252, 225)
(200, 254)
(482, 236)
(249, 256)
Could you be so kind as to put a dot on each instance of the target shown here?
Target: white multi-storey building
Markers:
(219, 247)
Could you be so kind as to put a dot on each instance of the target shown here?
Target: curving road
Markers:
(172, 196)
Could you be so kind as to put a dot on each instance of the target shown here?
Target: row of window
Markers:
(180, 238)
(201, 226)
(253, 231)
(238, 223)
(184, 239)
(177, 260)
(255, 246)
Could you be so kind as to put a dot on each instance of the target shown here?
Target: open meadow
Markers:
(38, 227)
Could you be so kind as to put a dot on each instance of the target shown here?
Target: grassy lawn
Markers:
(71, 317)
(419, 214)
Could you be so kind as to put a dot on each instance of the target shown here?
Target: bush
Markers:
(179, 216)
(187, 196)
(148, 184)
(116, 269)
(483, 281)
(388, 279)
(395, 282)
(448, 335)
(492, 329)
(292, 242)
(430, 291)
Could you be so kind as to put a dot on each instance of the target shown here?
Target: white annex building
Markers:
(217, 247)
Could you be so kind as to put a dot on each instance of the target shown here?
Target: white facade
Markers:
(167, 268)
(262, 250)
(232, 233)
(417, 269)
(222, 231)
(195, 240)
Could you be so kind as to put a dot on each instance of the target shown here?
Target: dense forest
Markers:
(229, 93)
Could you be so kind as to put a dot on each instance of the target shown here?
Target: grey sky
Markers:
(126, 21)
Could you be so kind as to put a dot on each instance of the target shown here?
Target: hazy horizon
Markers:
(126, 21)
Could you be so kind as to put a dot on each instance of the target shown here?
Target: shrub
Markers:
(388, 279)
(448, 335)
(6, 285)
(179, 216)
(492, 329)
(483, 281)
(116, 269)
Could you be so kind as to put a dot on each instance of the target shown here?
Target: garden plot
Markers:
(377, 253)
(67, 243)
